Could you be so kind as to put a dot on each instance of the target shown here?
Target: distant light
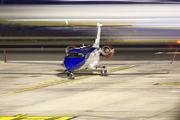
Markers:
(41, 48)
(129, 25)
(66, 22)
(72, 25)
(178, 41)
(170, 46)
(90, 19)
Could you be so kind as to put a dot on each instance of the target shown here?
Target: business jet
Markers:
(87, 57)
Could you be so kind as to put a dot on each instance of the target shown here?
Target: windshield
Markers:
(75, 54)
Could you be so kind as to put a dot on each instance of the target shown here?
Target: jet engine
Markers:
(107, 51)
(70, 47)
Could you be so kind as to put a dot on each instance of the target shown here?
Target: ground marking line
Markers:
(80, 114)
(167, 53)
(159, 53)
(121, 68)
(168, 84)
(164, 84)
(124, 84)
(64, 81)
(20, 115)
(39, 118)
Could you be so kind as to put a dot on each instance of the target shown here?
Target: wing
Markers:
(36, 63)
(100, 65)
(155, 63)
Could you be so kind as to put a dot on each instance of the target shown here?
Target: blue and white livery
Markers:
(88, 57)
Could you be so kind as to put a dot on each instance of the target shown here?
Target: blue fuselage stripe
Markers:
(72, 63)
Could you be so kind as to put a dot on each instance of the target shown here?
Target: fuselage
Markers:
(83, 57)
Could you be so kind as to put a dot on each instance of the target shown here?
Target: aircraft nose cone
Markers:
(73, 63)
(68, 66)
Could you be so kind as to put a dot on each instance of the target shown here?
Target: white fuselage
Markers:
(93, 59)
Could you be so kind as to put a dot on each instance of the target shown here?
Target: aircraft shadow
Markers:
(77, 74)
(64, 75)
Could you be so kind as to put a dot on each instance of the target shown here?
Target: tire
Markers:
(105, 72)
(102, 72)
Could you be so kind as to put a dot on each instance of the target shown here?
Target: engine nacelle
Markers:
(70, 47)
(107, 51)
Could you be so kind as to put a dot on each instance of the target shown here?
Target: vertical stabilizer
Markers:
(97, 41)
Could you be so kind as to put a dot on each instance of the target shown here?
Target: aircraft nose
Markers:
(73, 63)
(68, 66)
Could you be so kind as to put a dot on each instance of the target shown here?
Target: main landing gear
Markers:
(104, 71)
(70, 74)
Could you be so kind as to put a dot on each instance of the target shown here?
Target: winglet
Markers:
(5, 56)
(174, 57)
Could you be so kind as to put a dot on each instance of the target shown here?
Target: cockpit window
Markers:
(75, 55)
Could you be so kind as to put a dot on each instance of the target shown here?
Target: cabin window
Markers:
(75, 54)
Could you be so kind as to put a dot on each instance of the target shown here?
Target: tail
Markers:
(97, 41)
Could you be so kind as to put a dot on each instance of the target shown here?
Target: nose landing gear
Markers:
(70, 74)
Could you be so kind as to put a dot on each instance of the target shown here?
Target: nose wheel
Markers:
(70, 74)
(104, 71)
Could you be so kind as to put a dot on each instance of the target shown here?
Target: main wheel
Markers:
(105, 72)
(102, 72)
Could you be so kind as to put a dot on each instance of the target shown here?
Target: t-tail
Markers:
(97, 41)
